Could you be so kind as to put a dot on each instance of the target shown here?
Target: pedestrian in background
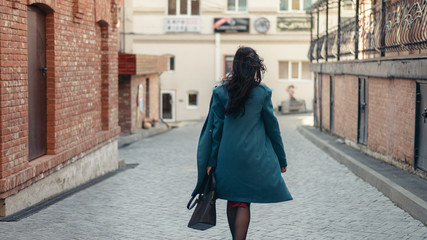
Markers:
(247, 156)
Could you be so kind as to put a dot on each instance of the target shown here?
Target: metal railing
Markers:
(393, 25)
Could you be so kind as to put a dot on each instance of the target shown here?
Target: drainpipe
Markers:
(217, 57)
(339, 31)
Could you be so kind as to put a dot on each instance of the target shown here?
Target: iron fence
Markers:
(393, 25)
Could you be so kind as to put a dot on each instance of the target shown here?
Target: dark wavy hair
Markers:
(247, 73)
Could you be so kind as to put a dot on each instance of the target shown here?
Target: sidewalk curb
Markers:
(403, 198)
(125, 140)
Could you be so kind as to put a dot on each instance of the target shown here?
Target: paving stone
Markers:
(149, 201)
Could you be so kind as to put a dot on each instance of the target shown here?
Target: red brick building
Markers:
(139, 89)
(59, 97)
(371, 78)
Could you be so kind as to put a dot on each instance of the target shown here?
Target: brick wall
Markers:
(325, 101)
(148, 64)
(391, 113)
(125, 120)
(127, 64)
(346, 106)
(82, 94)
(154, 99)
(154, 96)
(391, 117)
(141, 70)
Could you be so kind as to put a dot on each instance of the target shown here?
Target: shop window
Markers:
(193, 99)
(184, 7)
(237, 5)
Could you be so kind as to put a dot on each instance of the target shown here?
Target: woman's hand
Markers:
(283, 169)
(208, 169)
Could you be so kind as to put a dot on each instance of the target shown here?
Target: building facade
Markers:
(201, 37)
(139, 90)
(370, 75)
(59, 97)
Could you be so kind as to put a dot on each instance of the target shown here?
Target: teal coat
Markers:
(247, 151)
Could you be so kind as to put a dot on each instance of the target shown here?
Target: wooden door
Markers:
(36, 82)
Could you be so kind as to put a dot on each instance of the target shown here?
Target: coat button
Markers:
(210, 130)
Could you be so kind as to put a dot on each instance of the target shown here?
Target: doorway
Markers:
(315, 101)
(147, 98)
(421, 127)
(362, 128)
(319, 83)
(36, 83)
(168, 106)
(331, 103)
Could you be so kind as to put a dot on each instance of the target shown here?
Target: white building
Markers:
(184, 30)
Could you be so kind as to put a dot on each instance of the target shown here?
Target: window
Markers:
(171, 63)
(283, 70)
(306, 74)
(306, 4)
(237, 5)
(284, 5)
(184, 7)
(192, 99)
(294, 5)
(294, 70)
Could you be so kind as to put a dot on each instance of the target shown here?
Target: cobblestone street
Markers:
(149, 201)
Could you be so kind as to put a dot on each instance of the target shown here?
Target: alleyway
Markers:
(149, 201)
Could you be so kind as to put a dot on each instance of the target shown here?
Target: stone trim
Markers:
(407, 68)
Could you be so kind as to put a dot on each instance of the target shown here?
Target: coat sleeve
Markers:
(272, 129)
(218, 123)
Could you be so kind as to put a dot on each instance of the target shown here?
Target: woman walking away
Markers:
(247, 150)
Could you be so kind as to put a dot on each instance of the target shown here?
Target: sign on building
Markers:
(288, 24)
(229, 24)
(179, 25)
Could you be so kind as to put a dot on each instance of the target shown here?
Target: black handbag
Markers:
(204, 215)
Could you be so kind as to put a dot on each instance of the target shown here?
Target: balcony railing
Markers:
(393, 25)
